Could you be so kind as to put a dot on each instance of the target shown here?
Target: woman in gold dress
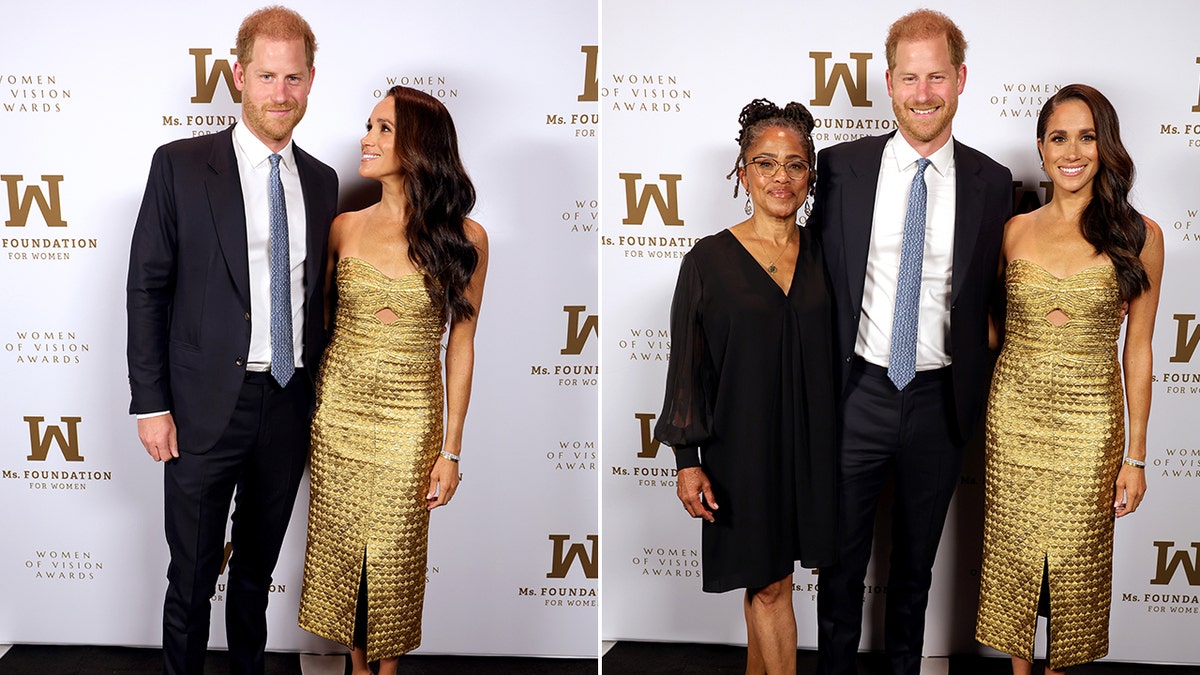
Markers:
(1056, 433)
(402, 269)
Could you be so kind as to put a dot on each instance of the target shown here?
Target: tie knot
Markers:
(922, 164)
(275, 157)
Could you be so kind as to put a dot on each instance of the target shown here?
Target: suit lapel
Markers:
(224, 190)
(859, 212)
(968, 209)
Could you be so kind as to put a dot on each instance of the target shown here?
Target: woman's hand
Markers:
(693, 488)
(443, 481)
(1131, 490)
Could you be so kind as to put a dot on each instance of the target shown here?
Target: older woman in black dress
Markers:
(750, 397)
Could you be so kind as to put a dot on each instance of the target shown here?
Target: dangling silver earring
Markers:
(808, 204)
(749, 206)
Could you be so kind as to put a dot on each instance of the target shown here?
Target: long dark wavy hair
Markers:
(1109, 222)
(758, 116)
(440, 195)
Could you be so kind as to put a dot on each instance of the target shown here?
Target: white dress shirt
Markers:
(896, 173)
(254, 168)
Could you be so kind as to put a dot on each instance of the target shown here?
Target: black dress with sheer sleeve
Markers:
(751, 399)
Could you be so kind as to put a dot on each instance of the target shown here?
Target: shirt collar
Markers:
(942, 159)
(256, 151)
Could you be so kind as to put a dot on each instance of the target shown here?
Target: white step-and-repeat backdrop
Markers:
(87, 91)
(674, 76)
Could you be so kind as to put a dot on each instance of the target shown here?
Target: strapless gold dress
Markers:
(376, 433)
(1055, 439)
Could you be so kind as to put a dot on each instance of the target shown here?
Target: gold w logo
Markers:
(856, 84)
(565, 557)
(591, 83)
(636, 205)
(1168, 565)
(39, 443)
(225, 556)
(207, 80)
(577, 336)
(20, 205)
(1185, 342)
(649, 442)
(1196, 108)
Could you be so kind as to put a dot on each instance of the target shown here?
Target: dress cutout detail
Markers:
(1055, 438)
(376, 433)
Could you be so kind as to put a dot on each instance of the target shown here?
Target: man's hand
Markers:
(158, 436)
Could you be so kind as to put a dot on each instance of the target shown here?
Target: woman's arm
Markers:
(1138, 362)
(335, 243)
(687, 411)
(460, 366)
(998, 309)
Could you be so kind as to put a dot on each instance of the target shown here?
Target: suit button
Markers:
(849, 359)
(240, 362)
(247, 316)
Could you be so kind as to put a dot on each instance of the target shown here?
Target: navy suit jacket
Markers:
(188, 296)
(847, 177)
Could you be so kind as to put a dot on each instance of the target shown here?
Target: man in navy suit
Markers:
(911, 335)
(225, 302)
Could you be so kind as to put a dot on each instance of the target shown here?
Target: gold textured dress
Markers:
(375, 435)
(1055, 438)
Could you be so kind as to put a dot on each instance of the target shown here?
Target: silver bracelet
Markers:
(1134, 462)
(449, 455)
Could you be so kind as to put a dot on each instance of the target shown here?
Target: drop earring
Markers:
(808, 204)
(749, 206)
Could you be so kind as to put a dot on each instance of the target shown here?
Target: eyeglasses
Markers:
(767, 167)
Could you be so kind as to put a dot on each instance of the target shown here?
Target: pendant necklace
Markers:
(770, 266)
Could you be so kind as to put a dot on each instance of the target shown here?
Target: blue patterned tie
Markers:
(902, 363)
(283, 361)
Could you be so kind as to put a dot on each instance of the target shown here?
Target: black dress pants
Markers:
(259, 458)
(908, 435)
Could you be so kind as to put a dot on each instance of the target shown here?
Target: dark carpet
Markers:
(655, 658)
(30, 659)
(625, 658)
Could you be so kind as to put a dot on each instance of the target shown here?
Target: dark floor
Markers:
(654, 658)
(625, 658)
(58, 660)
